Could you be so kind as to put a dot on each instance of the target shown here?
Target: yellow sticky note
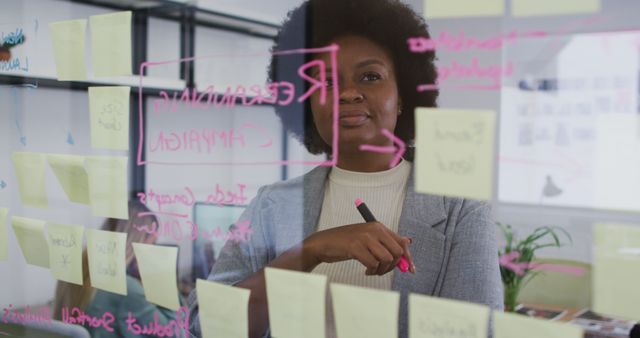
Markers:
(4, 248)
(29, 168)
(429, 317)
(616, 270)
(509, 325)
(30, 235)
(111, 44)
(434, 9)
(108, 186)
(69, 169)
(553, 7)
(454, 152)
(361, 312)
(65, 252)
(224, 310)
(106, 251)
(157, 265)
(69, 49)
(109, 107)
(296, 303)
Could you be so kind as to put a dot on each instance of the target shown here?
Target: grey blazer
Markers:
(454, 242)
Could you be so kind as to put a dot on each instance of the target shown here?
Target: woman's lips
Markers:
(353, 119)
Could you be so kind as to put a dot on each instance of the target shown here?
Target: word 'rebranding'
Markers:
(276, 93)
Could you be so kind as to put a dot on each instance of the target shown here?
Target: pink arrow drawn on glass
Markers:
(399, 148)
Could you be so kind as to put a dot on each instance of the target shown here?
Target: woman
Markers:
(450, 242)
(96, 303)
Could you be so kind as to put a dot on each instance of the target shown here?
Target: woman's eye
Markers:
(371, 77)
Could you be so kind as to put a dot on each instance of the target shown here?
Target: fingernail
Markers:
(413, 269)
(410, 240)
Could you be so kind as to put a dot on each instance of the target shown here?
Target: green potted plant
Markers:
(516, 267)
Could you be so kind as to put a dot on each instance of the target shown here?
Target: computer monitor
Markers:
(216, 220)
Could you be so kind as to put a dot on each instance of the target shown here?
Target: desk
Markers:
(616, 328)
(570, 312)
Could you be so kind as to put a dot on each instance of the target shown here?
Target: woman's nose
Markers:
(350, 94)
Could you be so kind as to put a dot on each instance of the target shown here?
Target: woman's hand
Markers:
(372, 244)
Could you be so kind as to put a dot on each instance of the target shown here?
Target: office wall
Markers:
(46, 118)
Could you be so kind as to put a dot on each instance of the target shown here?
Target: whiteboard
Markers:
(569, 124)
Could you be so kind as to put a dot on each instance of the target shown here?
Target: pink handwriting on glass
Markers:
(41, 315)
(239, 232)
(206, 139)
(219, 197)
(177, 326)
(78, 317)
(509, 261)
(280, 93)
(494, 73)
(460, 42)
(398, 148)
(457, 71)
(277, 93)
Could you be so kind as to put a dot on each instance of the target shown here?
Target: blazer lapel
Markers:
(420, 213)
(295, 211)
(314, 184)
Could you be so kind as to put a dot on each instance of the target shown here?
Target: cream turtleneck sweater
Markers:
(383, 192)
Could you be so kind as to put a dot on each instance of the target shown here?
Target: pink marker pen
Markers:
(403, 264)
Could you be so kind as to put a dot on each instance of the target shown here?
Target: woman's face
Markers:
(368, 95)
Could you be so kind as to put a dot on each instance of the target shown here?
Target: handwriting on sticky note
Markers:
(431, 317)
(361, 312)
(109, 108)
(30, 235)
(30, 174)
(179, 228)
(68, 39)
(69, 169)
(521, 8)
(230, 320)
(4, 248)
(616, 270)
(65, 252)
(454, 152)
(462, 8)
(107, 262)
(509, 325)
(157, 265)
(178, 326)
(108, 186)
(296, 303)
(111, 44)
